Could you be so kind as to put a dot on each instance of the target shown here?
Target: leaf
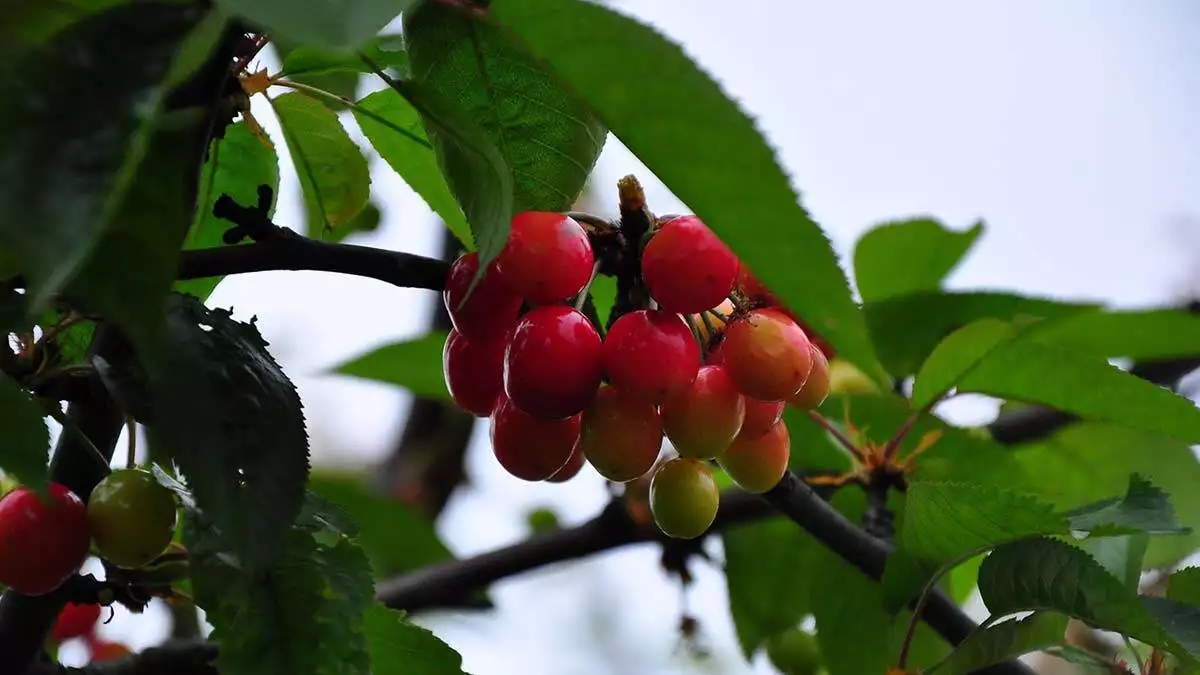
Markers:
(1089, 663)
(413, 364)
(908, 256)
(333, 172)
(1044, 574)
(956, 356)
(1143, 334)
(676, 119)
(306, 61)
(414, 162)
(950, 522)
(1144, 508)
(28, 23)
(339, 25)
(237, 164)
(399, 647)
(549, 139)
(1121, 556)
(1184, 586)
(767, 591)
(1003, 641)
(231, 420)
(26, 447)
(906, 329)
(65, 166)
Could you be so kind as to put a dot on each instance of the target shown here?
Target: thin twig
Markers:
(837, 434)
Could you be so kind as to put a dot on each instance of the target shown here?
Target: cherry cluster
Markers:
(710, 364)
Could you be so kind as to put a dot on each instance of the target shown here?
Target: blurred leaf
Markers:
(367, 220)
(1003, 641)
(28, 23)
(1144, 508)
(766, 592)
(237, 164)
(342, 25)
(333, 172)
(63, 176)
(906, 329)
(1088, 662)
(908, 256)
(1121, 556)
(956, 356)
(306, 61)
(604, 294)
(679, 122)
(73, 341)
(26, 447)
(1146, 334)
(961, 579)
(812, 447)
(399, 647)
(414, 162)
(413, 364)
(1184, 586)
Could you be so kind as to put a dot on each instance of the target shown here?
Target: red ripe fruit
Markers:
(761, 416)
(768, 355)
(688, 269)
(528, 447)
(547, 259)
(816, 387)
(621, 435)
(490, 310)
(651, 355)
(474, 371)
(756, 464)
(553, 365)
(704, 420)
(75, 621)
(41, 542)
(569, 470)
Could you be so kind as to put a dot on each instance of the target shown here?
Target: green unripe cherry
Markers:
(794, 652)
(683, 498)
(132, 518)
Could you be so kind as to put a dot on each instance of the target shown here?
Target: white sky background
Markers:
(1069, 127)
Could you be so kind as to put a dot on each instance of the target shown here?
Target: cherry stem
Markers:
(717, 313)
(1136, 656)
(712, 330)
(317, 92)
(837, 434)
(695, 330)
(587, 287)
(591, 219)
(893, 444)
(913, 620)
(740, 303)
(131, 449)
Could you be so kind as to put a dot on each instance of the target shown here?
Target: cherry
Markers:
(687, 268)
(651, 355)
(554, 362)
(474, 371)
(683, 498)
(569, 470)
(75, 621)
(491, 308)
(795, 652)
(816, 387)
(716, 355)
(132, 517)
(108, 651)
(547, 258)
(531, 448)
(41, 542)
(767, 354)
(703, 421)
(621, 435)
(761, 416)
(757, 463)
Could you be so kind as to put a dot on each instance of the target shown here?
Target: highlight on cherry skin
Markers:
(547, 259)
(553, 365)
(488, 311)
(132, 517)
(756, 462)
(702, 421)
(651, 355)
(531, 448)
(687, 268)
(767, 354)
(44, 539)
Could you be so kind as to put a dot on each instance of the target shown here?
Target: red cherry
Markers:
(547, 259)
(474, 371)
(757, 464)
(716, 355)
(651, 355)
(687, 268)
(768, 355)
(108, 651)
(761, 416)
(752, 288)
(816, 387)
(41, 542)
(531, 448)
(490, 310)
(75, 621)
(621, 435)
(554, 362)
(569, 470)
(703, 421)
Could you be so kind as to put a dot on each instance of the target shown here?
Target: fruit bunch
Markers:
(44, 539)
(709, 363)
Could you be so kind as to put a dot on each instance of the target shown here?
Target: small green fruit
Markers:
(794, 652)
(132, 518)
(683, 498)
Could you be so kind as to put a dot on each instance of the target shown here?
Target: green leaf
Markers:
(956, 356)
(307, 61)
(232, 422)
(961, 579)
(1044, 574)
(767, 592)
(367, 220)
(1121, 556)
(1144, 334)
(399, 647)
(1089, 663)
(413, 364)
(63, 175)
(237, 164)
(333, 172)
(906, 329)
(549, 139)
(26, 447)
(949, 522)
(1003, 641)
(414, 162)
(338, 25)
(1144, 508)
(679, 122)
(1184, 586)
(908, 256)
(604, 295)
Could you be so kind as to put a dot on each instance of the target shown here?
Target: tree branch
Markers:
(174, 657)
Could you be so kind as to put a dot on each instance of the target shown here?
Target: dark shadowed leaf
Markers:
(306, 61)
(1144, 508)
(400, 647)
(767, 592)
(26, 446)
(28, 23)
(678, 121)
(1089, 663)
(908, 256)
(1004, 641)
(413, 364)
(339, 25)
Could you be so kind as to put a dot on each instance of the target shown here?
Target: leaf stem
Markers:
(893, 444)
(131, 448)
(1141, 665)
(837, 434)
(913, 620)
(317, 92)
(583, 294)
